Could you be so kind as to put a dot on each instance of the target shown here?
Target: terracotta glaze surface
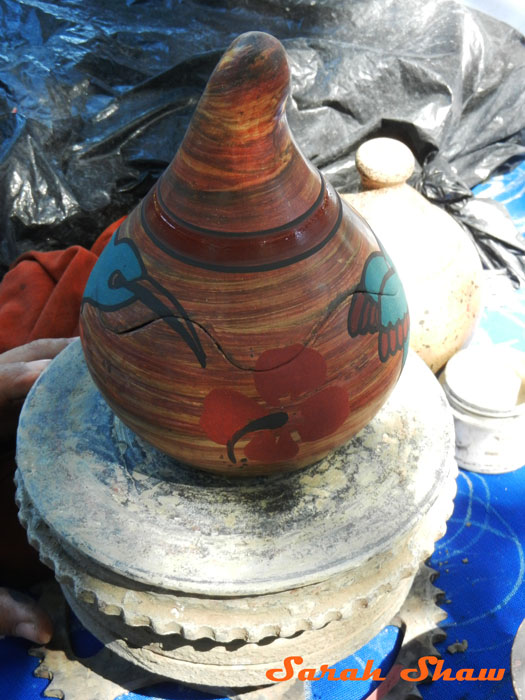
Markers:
(243, 319)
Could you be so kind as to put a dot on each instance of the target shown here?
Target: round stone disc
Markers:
(112, 498)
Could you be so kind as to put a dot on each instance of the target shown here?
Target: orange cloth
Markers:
(40, 295)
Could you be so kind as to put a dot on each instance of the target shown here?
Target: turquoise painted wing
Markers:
(110, 285)
(379, 306)
(120, 279)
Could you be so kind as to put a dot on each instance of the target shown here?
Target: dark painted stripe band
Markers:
(264, 267)
(240, 234)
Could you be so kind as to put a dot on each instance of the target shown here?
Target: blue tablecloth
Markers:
(480, 560)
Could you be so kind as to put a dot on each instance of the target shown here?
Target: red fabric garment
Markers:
(40, 297)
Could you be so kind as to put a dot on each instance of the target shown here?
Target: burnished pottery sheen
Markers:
(243, 319)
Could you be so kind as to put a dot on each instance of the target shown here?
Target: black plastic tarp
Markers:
(95, 97)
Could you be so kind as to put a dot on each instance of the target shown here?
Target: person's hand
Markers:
(19, 369)
(21, 617)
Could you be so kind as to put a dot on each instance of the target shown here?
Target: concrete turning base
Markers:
(213, 581)
(106, 676)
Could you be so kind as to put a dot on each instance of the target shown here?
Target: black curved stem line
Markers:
(176, 303)
(269, 422)
(166, 314)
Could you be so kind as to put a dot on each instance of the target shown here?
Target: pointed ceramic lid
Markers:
(239, 194)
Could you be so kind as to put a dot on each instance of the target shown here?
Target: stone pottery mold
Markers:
(106, 675)
(244, 319)
(196, 576)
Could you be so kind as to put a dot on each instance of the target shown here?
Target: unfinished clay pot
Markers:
(437, 260)
(243, 319)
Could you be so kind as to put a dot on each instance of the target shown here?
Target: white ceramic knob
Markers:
(384, 162)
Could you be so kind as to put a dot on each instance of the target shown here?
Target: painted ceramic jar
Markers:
(243, 319)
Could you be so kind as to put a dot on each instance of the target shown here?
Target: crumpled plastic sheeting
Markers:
(95, 97)
(495, 235)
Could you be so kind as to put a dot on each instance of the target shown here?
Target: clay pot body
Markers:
(436, 259)
(243, 319)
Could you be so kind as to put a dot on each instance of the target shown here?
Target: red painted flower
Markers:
(280, 374)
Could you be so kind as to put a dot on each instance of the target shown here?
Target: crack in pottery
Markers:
(331, 309)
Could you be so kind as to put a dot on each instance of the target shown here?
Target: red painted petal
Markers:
(271, 359)
(323, 413)
(268, 446)
(225, 412)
